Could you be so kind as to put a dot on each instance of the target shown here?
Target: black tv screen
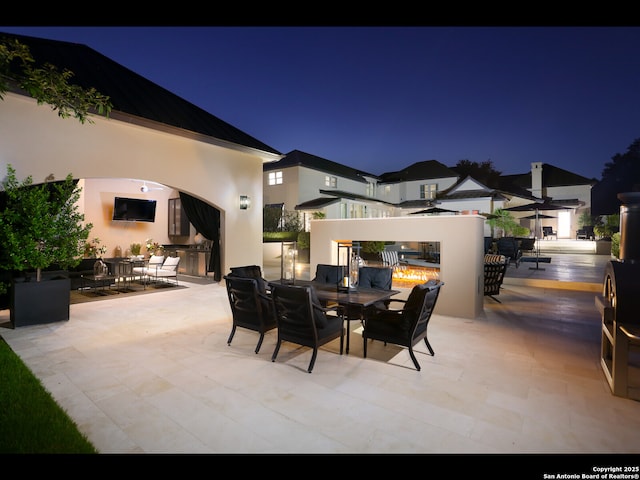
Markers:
(134, 209)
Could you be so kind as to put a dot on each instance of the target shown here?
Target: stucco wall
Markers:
(461, 251)
(39, 143)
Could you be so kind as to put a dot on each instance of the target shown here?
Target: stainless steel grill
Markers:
(619, 306)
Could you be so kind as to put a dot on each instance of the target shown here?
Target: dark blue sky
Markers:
(382, 98)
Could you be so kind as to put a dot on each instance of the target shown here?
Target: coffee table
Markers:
(98, 283)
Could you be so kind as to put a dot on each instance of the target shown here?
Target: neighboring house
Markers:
(308, 184)
(153, 135)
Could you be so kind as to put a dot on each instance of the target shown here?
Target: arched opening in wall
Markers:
(178, 218)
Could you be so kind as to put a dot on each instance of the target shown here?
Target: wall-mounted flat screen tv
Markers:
(134, 209)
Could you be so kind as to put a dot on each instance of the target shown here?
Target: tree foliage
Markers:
(484, 172)
(47, 84)
(621, 174)
(507, 223)
(624, 168)
(40, 225)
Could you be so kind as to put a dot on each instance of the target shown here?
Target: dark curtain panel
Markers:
(206, 219)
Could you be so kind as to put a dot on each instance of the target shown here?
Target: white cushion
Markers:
(164, 272)
(170, 264)
(156, 259)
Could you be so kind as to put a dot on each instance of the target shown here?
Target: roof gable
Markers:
(303, 159)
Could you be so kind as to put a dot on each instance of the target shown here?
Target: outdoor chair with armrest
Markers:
(508, 246)
(301, 319)
(250, 271)
(495, 267)
(251, 307)
(141, 271)
(527, 245)
(548, 232)
(155, 272)
(406, 326)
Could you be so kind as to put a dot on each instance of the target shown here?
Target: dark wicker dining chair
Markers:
(251, 308)
(303, 320)
(406, 326)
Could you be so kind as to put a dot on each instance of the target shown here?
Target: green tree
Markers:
(483, 172)
(586, 219)
(45, 83)
(40, 225)
(507, 223)
(621, 174)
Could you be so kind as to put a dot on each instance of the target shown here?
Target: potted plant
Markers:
(42, 234)
(135, 249)
(370, 250)
(605, 231)
(93, 249)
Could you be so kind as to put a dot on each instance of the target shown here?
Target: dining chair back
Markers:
(301, 319)
(406, 326)
(495, 267)
(527, 245)
(370, 277)
(508, 246)
(250, 308)
(250, 271)
(332, 274)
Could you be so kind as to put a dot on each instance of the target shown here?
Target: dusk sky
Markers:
(382, 98)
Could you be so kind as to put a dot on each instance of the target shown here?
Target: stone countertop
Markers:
(190, 248)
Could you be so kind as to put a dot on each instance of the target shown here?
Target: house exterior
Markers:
(309, 184)
(151, 134)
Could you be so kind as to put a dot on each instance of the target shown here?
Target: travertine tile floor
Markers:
(154, 374)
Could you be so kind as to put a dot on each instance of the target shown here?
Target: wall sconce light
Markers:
(245, 202)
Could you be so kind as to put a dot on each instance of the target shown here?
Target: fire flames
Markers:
(408, 276)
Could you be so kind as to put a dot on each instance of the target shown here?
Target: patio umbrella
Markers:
(432, 210)
(536, 207)
(534, 217)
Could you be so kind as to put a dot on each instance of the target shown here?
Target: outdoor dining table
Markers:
(355, 298)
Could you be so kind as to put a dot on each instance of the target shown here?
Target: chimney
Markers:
(536, 179)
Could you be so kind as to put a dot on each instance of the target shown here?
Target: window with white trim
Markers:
(275, 178)
(428, 191)
(330, 181)
(371, 189)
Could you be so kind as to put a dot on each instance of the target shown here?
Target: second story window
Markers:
(275, 178)
(330, 181)
(428, 191)
(371, 189)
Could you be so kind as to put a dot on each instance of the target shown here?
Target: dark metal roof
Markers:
(316, 203)
(421, 203)
(131, 93)
(353, 196)
(335, 196)
(465, 194)
(303, 159)
(552, 176)
(429, 169)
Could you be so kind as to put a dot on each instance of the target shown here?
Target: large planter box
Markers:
(35, 303)
(603, 247)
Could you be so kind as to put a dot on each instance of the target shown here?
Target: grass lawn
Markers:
(30, 420)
